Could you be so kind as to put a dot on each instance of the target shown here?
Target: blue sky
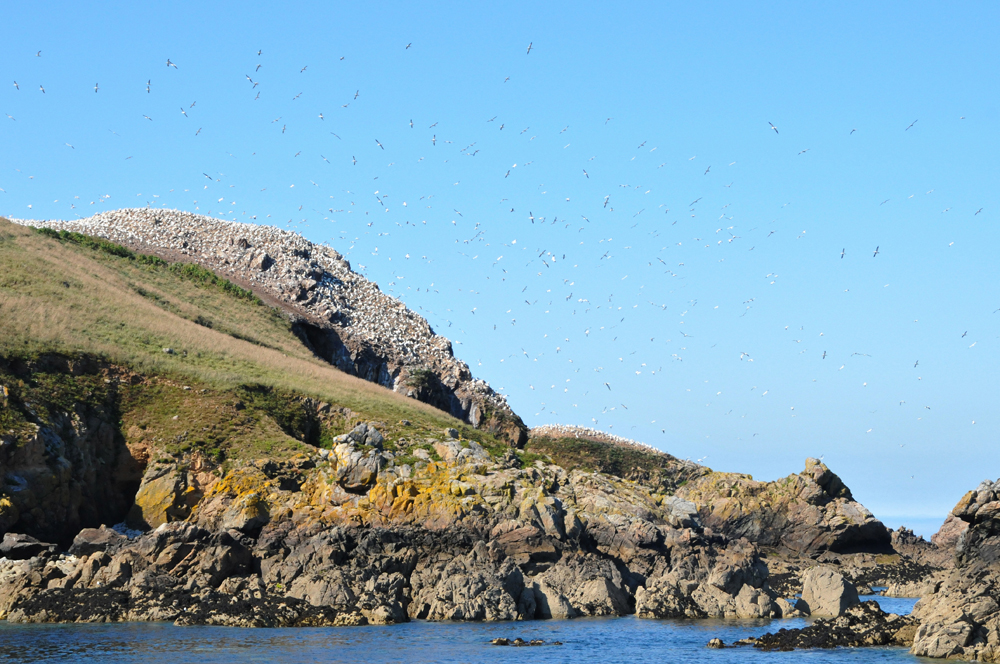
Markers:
(720, 241)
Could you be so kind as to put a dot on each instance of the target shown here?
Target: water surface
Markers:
(611, 640)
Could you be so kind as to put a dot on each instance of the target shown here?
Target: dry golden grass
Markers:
(58, 297)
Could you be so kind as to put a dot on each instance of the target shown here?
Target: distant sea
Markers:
(611, 640)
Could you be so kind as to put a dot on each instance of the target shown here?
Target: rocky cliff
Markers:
(961, 618)
(378, 528)
(343, 317)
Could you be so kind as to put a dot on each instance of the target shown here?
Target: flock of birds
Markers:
(544, 271)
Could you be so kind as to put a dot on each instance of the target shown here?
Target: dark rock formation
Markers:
(862, 625)
(16, 546)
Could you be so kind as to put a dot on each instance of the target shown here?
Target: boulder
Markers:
(158, 500)
(16, 546)
(682, 513)
(827, 593)
(357, 470)
(788, 610)
(259, 260)
(91, 540)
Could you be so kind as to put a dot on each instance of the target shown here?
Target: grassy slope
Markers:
(64, 297)
(661, 471)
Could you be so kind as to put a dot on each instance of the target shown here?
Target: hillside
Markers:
(338, 314)
(164, 357)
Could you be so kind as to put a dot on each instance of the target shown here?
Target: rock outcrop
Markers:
(384, 525)
(961, 618)
(344, 318)
(809, 512)
(948, 535)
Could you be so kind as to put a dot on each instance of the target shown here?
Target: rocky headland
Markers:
(382, 525)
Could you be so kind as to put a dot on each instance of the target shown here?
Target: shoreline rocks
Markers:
(862, 625)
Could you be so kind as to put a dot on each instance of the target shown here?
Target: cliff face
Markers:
(808, 512)
(961, 618)
(64, 460)
(344, 318)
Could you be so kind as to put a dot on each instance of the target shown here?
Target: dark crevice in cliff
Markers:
(63, 458)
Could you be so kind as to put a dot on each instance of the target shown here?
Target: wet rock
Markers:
(787, 609)
(482, 585)
(707, 579)
(581, 586)
(716, 643)
(864, 624)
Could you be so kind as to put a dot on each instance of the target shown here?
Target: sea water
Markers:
(627, 639)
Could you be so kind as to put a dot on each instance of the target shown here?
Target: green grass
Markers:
(659, 471)
(70, 296)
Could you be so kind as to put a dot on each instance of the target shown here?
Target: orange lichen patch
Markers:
(239, 481)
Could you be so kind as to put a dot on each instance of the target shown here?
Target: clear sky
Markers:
(607, 227)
